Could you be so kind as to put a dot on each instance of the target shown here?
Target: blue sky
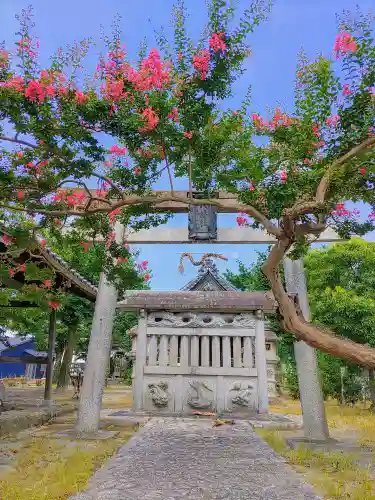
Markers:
(292, 25)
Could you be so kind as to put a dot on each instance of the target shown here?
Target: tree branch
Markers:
(110, 182)
(324, 183)
(154, 200)
(17, 141)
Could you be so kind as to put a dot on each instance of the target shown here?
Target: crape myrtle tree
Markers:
(165, 114)
(341, 288)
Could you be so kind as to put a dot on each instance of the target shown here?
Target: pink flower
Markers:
(62, 91)
(153, 73)
(22, 268)
(137, 171)
(341, 211)
(241, 221)
(118, 150)
(346, 90)
(332, 120)
(4, 58)
(188, 135)
(146, 277)
(12, 272)
(21, 195)
(151, 120)
(144, 264)
(344, 44)
(7, 240)
(108, 163)
(112, 215)
(80, 97)
(42, 243)
(173, 115)
(216, 42)
(372, 215)
(316, 130)
(257, 120)
(20, 154)
(362, 171)
(283, 175)
(110, 239)
(47, 283)
(54, 305)
(306, 161)
(251, 186)
(200, 63)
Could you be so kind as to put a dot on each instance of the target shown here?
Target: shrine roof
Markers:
(208, 279)
(73, 281)
(222, 301)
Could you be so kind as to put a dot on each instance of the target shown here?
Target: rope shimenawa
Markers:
(198, 262)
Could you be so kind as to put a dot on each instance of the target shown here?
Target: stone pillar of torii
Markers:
(202, 228)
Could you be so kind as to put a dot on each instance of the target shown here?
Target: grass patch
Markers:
(334, 474)
(52, 469)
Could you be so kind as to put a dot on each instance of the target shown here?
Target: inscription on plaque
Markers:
(202, 222)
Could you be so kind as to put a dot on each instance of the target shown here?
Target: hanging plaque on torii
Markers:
(202, 221)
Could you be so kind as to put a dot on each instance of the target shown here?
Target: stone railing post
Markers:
(140, 361)
(261, 362)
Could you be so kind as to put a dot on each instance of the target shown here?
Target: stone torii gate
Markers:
(202, 228)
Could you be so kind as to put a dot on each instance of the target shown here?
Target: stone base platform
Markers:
(269, 420)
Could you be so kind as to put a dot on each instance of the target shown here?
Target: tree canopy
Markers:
(292, 170)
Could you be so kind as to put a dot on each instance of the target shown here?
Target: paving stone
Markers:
(172, 459)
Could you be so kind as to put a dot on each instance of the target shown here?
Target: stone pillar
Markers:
(98, 352)
(312, 402)
(140, 361)
(261, 362)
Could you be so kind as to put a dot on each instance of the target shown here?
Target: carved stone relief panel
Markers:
(198, 320)
(200, 395)
(159, 393)
(240, 395)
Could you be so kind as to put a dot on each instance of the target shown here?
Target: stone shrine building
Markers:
(205, 348)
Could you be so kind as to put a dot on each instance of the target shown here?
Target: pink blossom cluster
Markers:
(145, 154)
(341, 211)
(216, 42)
(72, 199)
(173, 115)
(153, 73)
(346, 90)
(117, 150)
(25, 47)
(151, 120)
(4, 58)
(113, 215)
(332, 120)
(283, 176)
(371, 215)
(7, 240)
(200, 63)
(241, 220)
(344, 44)
(279, 120)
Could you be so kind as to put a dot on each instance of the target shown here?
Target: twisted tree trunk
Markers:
(293, 322)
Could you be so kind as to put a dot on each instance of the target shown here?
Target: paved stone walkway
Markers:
(173, 459)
